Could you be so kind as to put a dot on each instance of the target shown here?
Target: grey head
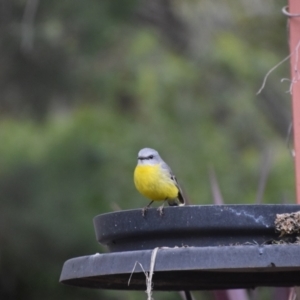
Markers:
(148, 156)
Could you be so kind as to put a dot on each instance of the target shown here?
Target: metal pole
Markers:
(294, 28)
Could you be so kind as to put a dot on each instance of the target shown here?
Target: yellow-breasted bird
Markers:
(154, 179)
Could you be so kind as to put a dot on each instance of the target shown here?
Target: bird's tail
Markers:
(181, 198)
(180, 201)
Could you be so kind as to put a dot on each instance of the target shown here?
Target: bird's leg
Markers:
(161, 209)
(146, 208)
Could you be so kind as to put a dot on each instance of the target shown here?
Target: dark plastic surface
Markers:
(193, 268)
(198, 226)
(210, 247)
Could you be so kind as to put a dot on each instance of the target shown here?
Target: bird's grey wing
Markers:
(173, 177)
(180, 194)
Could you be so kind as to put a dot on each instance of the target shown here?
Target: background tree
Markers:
(85, 84)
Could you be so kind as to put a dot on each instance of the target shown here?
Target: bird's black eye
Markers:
(151, 156)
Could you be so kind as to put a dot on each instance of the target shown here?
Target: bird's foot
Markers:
(161, 210)
(144, 210)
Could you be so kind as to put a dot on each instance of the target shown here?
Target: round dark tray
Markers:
(210, 247)
(198, 226)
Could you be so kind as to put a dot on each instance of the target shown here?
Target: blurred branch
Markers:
(115, 207)
(264, 172)
(270, 71)
(27, 25)
(186, 295)
(294, 293)
(215, 189)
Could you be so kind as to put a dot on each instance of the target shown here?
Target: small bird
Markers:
(154, 179)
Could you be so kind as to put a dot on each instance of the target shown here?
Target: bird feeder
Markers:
(196, 248)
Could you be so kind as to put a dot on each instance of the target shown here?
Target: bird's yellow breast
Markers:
(154, 182)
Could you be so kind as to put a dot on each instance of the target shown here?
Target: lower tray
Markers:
(188, 268)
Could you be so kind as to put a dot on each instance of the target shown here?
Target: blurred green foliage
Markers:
(104, 79)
